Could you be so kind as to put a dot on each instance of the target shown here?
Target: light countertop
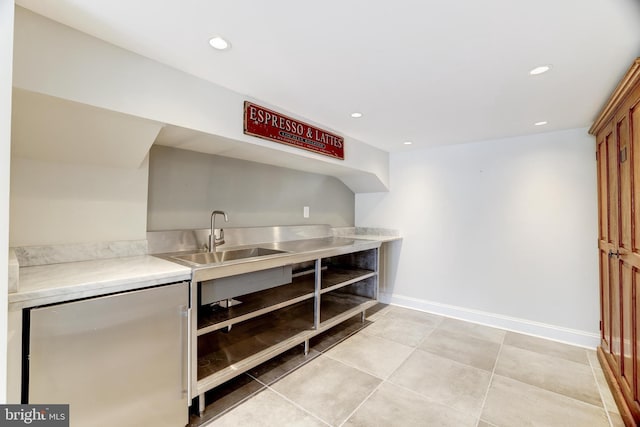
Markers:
(46, 284)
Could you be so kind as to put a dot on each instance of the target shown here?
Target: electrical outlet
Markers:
(305, 212)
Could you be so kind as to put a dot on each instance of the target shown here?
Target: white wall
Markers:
(251, 193)
(501, 232)
(56, 202)
(6, 61)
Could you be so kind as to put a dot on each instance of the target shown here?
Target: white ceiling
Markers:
(430, 71)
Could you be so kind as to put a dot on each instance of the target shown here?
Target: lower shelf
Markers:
(336, 304)
(223, 355)
(255, 304)
(337, 307)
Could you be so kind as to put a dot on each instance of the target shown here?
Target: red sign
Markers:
(267, 124)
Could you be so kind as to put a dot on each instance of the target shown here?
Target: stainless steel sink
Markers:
(205, 258)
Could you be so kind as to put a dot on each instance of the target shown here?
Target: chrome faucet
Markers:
(213, 240)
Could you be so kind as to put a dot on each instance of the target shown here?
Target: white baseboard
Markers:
(543, 330)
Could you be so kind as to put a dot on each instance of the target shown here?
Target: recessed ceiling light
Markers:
(356, 115)
(540, 70)
(542, 123)
(407, 143)
(219, 43)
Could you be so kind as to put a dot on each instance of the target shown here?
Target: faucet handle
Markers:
(218, 240)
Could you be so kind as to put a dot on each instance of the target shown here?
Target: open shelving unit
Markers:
(211, 318)
(322, 294)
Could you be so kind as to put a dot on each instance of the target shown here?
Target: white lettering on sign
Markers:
(267, 124)
(265, 117)
(328, 139)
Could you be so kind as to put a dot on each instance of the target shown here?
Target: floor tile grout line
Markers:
(264, 386)
(234, 406)
(427, 335)
(290, 371)
(299, 406)
(400, 365)
(378, 313)
(358, 369)
(425, 397)
(428, 398)
(436, 353)
(427, 332)
(551, 356)
(361, 403)
(340, 341)
(457, 362)
(553, 392)
(372, 373)
(262, 382)
(338, 361)
(493, 373)
(604, 404)
(430, 329)
(386, 380)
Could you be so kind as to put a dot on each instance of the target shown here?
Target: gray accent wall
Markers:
(185, 186)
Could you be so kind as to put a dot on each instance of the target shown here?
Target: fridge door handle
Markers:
(185, 317)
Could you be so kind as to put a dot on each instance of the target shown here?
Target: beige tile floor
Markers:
(408, 368)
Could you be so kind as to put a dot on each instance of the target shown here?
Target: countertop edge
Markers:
(14, 272)
(376, 237)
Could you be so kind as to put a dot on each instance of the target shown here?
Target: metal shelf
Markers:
(221, 355)
(338, 306)
(337, 277)
(256, 304)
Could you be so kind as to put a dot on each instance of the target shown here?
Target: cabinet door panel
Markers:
(624, 242)
(603, 194)
(608, 241)
(613, 175)
(612, 185)
(634, 143)
(624, 196)
(634, 134)
(605, 301)
(627, 344)
(616, 333)
(636, 302)
(603, 239)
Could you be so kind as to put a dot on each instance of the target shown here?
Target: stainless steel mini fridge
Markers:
(117, 360)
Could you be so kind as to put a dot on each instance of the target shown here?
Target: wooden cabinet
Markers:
(617, 132)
